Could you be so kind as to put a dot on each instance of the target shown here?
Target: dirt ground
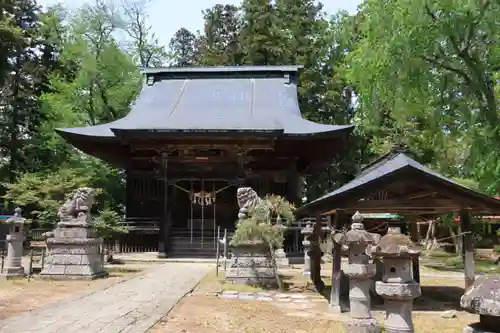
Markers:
(204, 312)
(22, 295)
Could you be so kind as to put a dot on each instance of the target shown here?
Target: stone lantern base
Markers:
(369, 325)
(12, 272)
(476, 328)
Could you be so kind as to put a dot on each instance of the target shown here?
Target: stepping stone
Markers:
(264, 298)
(282, 296)
(229, 296)
(247, 297)
(283, 300)
(300, 301)
(264, 294)
(229, 292)
(298, 296)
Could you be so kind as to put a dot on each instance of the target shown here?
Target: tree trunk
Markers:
(430, 237)
(456, 238)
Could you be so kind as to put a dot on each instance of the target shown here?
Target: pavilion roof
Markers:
(231, 100)
(396, 183)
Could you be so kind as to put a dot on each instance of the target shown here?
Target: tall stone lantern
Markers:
(13, 266)
(397, 288)
(307, 231)
(359, 271)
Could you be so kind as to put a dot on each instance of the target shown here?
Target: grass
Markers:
(443, 261)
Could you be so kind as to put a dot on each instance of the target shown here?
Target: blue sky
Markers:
(166, 16)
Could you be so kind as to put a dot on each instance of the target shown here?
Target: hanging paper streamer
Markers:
(202, 198)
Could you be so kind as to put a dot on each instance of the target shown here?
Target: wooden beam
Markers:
(468, 248)
(419, 195)
(403, 205)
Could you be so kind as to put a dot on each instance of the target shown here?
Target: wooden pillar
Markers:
(336, 265)
(468, 248)
(415, 237)
(163, 230)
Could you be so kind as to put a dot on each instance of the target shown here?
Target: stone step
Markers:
(191, 254)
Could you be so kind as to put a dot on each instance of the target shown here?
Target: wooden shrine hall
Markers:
(397, 184)
(193, 136)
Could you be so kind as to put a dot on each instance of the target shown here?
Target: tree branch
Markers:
(435, 61)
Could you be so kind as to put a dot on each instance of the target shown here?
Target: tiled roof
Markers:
(215, 99)
(385, 166)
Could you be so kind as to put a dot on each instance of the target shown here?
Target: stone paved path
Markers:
(132, 306)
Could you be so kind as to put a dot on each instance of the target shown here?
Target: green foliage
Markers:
(266, 222)
(41, 194)
(425, 76)
(107, 224)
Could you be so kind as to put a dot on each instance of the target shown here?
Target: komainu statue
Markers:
(80, 203)
(247, 199)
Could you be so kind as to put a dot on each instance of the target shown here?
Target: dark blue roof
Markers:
(384, 167)
(214, 99)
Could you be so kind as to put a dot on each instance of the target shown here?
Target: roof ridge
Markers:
(377, 162)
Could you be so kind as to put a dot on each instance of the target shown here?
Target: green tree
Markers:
(222, 36)
(185, 48)
(425, 74)
(262, 38)
(143, 43)
(94, 82)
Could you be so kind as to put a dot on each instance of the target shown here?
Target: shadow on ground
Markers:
(434, 298)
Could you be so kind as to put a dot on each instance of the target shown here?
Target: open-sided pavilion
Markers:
(396, 183)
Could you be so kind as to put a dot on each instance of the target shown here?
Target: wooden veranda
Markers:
(397, 184)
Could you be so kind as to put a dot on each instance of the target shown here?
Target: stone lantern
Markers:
(483, 298)
(359, 272)
(397, 288)
(307, 232)
(13, 266)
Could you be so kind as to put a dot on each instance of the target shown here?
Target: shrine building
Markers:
(193, 136)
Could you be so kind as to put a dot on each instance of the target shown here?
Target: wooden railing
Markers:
(142, 223)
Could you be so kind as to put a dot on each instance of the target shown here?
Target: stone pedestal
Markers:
(483, 298)
(73, 252)
(13, 263)
(251, 264)
(359, 272)
(397, 288)
(306, 243)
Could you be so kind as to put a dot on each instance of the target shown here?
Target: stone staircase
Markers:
(199, 244)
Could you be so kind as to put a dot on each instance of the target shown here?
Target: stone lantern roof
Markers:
(357, 234)
(395, 245)
(16, 218)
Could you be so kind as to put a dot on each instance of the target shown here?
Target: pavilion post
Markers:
(415, 238)
(336, 264)
(468, 248)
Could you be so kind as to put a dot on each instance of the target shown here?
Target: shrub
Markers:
(265, 223)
